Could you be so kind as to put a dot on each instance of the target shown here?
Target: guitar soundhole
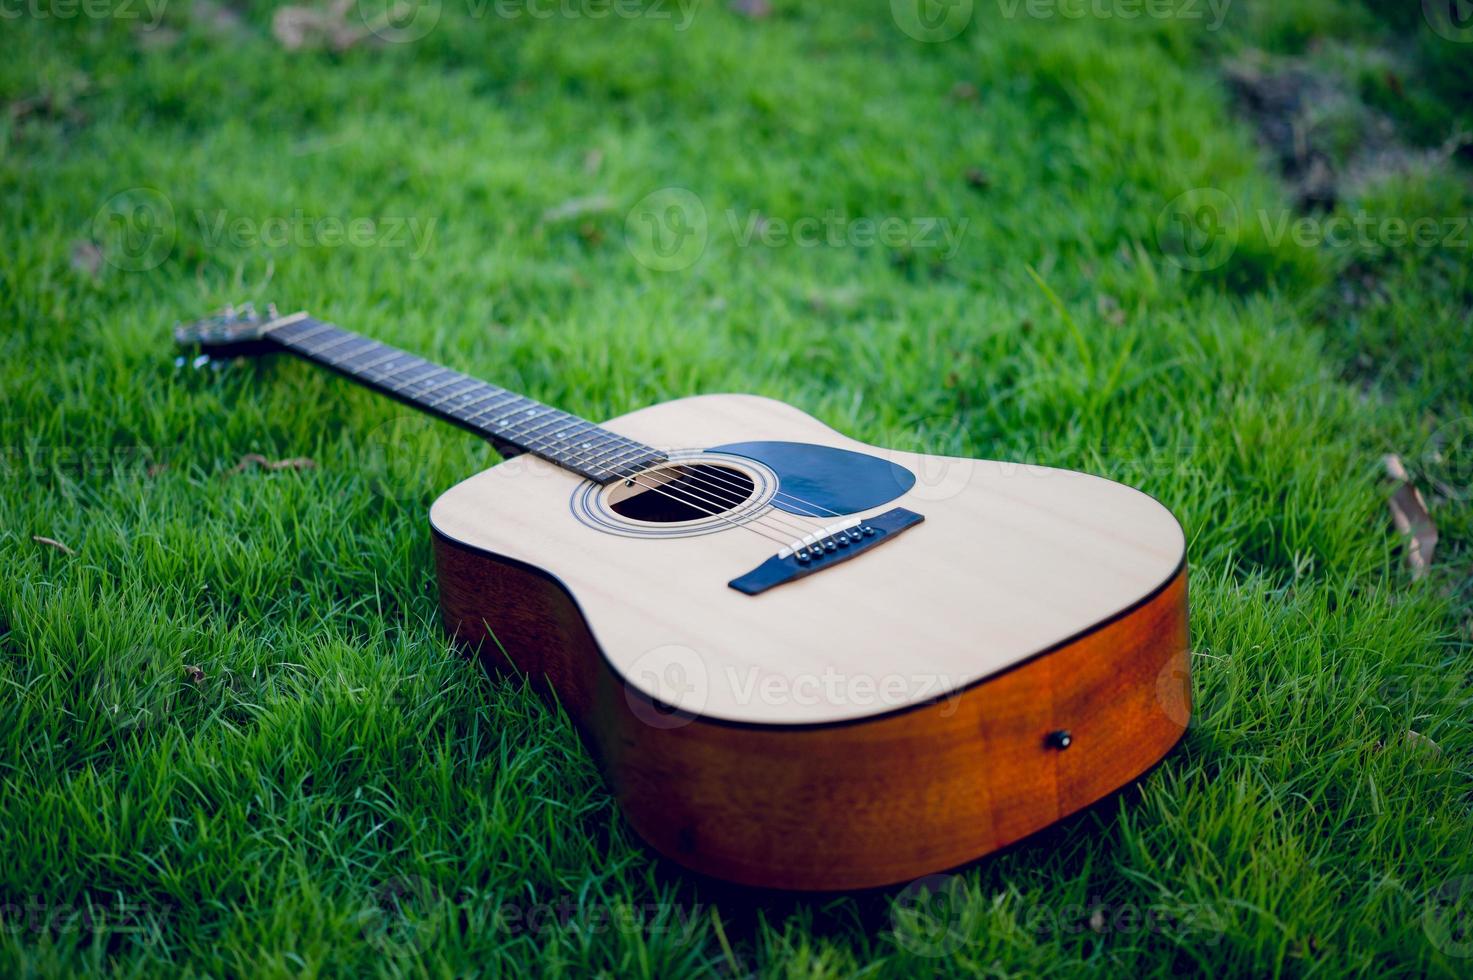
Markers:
(677, 494)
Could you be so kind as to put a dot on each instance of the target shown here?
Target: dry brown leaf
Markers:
(1420, 741)
(577, 207)
(755, 9)
(52, 543)
(1409, 514)
(1109, 308)
(298, 28)
(86, 257)
(256, 459)
(218, 18)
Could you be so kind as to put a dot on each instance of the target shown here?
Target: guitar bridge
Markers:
(830, 546)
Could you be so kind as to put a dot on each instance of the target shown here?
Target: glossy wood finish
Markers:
(849, 805)
(1010, 560)
(822, 796)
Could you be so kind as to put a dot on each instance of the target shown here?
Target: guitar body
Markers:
(1013, 657)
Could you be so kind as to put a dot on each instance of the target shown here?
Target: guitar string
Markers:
(776, 520)
(690, 499)
(719, 489)
(784, 525)
(700, 478)
(717, 496)
(694, 500)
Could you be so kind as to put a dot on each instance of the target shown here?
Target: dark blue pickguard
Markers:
(834, 481)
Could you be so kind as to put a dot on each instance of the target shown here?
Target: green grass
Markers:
(340, 792)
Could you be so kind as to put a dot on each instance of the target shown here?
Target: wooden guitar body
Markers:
(1012, 658)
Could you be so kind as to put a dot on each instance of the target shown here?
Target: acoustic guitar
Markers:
(802, 662)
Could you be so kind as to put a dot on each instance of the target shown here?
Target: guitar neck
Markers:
(510, 421)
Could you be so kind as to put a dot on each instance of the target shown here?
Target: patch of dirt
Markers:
(1326, 141)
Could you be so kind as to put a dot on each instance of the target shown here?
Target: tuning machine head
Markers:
(236, 331)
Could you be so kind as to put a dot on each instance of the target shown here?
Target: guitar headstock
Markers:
(236, 331)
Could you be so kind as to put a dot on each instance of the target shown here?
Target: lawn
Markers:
(233, 736)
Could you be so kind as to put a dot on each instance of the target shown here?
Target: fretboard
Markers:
(505, 418)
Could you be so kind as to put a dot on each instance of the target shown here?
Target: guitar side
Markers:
(830, 801)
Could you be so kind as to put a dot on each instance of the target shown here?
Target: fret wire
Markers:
(481, 421)
(447, 404)
(630, 467)
(339, 360)
(601, 453)
(432, 388)
(629, 445)
(449, 390)
(465, 412)
(602, 441)
(605, 459)
(523, 433)
(297, 338)
(599, 461)
(625, 440)
(320, 352)
(374, 347)
(504, 419)
(434, 371)
(557, 417)
(500, 396)
(538, 432)
(617, 465)
(562, 437)
(438, 383)
(613, 466)
(422, 363)
(334, 355)
(561, 434)
(564, 451)
(532, 425)
(489, 392)
(384, 376)
(374, 366)
(339, 338)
